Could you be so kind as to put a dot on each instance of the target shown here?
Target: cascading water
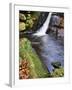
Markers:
(43, 29)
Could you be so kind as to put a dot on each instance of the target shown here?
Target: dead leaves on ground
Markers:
(24, 69)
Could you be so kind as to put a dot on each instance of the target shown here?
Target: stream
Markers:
(49, 50)
(47, 47)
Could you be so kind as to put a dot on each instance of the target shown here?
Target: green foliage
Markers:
(22, 16)
(59, 72)
(29, 23)
(22, 26)
(27, 20)
(37, 68)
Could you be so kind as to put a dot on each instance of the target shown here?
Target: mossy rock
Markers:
(22, 26)
(22, 17)
(58, 72)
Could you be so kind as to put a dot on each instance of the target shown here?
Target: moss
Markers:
(37, 69)
(22, 26)
(28, 20)
(22, 17)
(58, 72)
(56, 64)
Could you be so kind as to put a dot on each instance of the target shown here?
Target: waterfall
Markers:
(43, 29)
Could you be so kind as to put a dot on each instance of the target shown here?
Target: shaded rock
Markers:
(56, 64)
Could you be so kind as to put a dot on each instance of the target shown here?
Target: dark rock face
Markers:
(23, 34)
(56, 64)
(41, 20)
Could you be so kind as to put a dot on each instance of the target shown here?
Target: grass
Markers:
(37, 69)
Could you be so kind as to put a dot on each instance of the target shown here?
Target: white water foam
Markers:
(43, 29)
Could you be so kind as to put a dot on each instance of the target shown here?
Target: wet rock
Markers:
(56, 64)
(22, 26)
(22, 17)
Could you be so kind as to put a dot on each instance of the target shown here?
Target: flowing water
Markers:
(48, 48)
(43, 29)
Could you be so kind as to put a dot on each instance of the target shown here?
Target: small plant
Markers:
(58, 72)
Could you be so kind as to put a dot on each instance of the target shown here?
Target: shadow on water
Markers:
(48, 49)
